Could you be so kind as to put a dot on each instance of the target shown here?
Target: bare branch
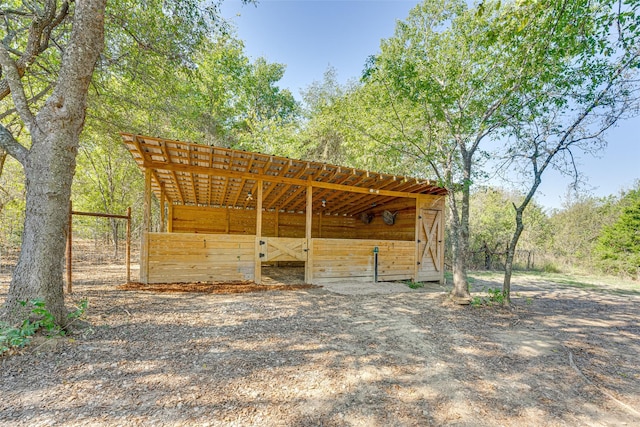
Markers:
(13, 147)
(15, 85)
(31, 100)
(37, 41)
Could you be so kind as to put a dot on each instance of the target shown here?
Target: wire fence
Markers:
(98, 252)
(524, 259)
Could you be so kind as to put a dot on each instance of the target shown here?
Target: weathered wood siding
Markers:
(402, 229)
(181, 257)
(346, 259)
(212, 244)
(195, 219)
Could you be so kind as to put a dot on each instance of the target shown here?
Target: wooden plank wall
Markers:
(181, 257)
(195, 219)
(402, 229)
(346, 259)
(220, 244)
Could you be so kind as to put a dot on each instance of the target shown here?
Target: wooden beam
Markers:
(293, 196)
(258, 257)
(146, 228)
(165, 152)
(285, 188)
(240, 187)
(128, 245)
(193, 187)
(418, 224)
(313, 178)
(162, 216)
(253, 191)
(147, 147)
(276, 179)
(308, 265)
(359, 206)
(101, 215)
(210, 192)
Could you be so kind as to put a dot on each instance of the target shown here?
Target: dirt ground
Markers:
(340, 355)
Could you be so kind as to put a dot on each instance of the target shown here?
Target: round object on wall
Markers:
(389, 218)
(367, 217)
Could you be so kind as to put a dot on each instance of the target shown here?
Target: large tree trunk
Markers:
(460, 245)
(49, 168)
(49, 172)
(460, 235)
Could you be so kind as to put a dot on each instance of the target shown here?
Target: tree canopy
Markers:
(458, 93)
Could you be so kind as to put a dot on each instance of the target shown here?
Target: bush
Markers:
(18, 337)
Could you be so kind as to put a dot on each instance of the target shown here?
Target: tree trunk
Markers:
(39, 271)
(460, 244)
(49, 168)
(460, 233)
(487, 256)
(511, 251)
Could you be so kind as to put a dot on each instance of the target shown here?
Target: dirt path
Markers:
(317, 357)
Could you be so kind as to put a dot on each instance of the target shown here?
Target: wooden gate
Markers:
(283, 249)
(430, 248)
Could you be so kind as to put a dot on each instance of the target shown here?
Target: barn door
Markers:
(283, 249)
(430, 246)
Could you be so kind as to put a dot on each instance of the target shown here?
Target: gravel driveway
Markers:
(333, 357)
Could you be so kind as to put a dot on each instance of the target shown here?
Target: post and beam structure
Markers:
(308, 271)
(146, 227)
(258, 253)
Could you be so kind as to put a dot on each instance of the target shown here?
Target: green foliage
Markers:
(618, 247)
(414, 285)
(549, 267)
(18, 337)
(492, 223)
(577, 225)
(12, 203)
(578, 228)
(494, 297)
(217, 97)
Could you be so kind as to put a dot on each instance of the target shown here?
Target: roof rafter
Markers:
(195, 174)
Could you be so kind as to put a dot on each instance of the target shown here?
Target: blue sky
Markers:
(310, 35)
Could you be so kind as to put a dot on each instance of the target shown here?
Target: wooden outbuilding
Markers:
(225, 213)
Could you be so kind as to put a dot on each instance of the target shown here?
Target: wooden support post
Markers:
(128, 246)
(146, 227)
(162, 218)
(441, 240)
(308, 270)
(258, 254)
(418, 224)
(170, 219)
(69, 248)
(277, 229)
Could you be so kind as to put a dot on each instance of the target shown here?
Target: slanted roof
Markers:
(202, 175)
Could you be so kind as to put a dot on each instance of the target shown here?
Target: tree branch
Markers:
(38, 39)
(31, 100)
(13, 147)
(13, 79)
